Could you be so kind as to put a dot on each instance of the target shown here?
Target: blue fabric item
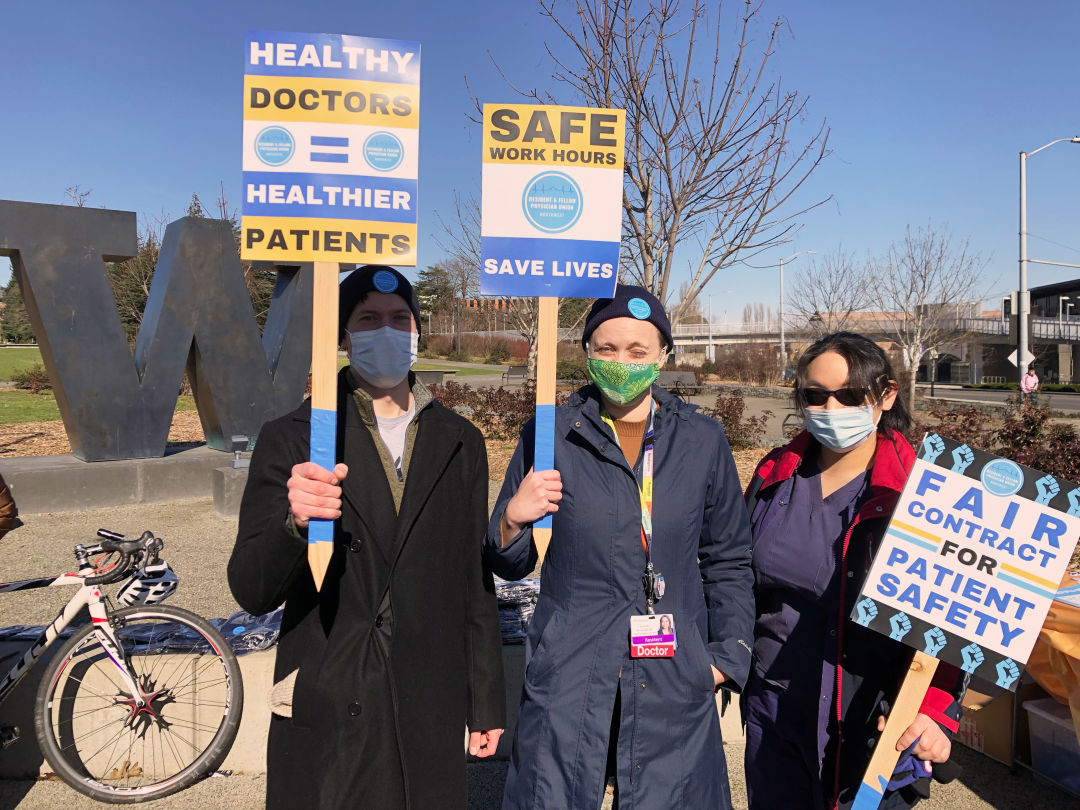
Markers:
(323, 432)
(577, 650)
(544, 458)
(908, 769)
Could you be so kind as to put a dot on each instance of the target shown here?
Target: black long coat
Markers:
(401, 647)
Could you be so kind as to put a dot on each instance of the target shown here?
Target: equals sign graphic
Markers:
(329, 157)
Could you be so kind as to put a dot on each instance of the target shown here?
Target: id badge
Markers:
(653, 636)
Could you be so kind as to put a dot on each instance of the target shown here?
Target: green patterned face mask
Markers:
(622, 383)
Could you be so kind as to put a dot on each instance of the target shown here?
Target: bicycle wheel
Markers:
(101, 744)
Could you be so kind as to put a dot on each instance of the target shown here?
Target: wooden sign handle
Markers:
(904, 710)
(547, 340)
(324, 346)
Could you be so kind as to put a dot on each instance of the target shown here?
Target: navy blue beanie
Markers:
(373, 278)
(630, 301)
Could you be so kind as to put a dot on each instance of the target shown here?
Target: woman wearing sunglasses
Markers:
(820, 684)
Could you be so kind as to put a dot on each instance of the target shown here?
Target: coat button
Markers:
(577, 424)
(850, 574)
(378, 621)
(354, 709)
(879, 508)
(354, 545)
(642, 684)
(603, 447)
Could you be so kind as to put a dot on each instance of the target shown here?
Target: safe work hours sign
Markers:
(972, 559)
(330, 148)
(552, 200)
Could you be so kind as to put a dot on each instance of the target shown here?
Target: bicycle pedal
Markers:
(8, 735)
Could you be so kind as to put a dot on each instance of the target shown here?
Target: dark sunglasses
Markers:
(849, 397)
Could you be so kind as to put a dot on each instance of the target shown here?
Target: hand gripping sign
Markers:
(551, 223)
(330, 171)
(966, 572)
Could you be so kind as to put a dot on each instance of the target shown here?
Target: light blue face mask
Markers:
(841, 429)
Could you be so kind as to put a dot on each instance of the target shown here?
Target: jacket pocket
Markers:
(698, 661)
(543, 659)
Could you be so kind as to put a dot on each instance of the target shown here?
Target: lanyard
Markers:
(645, 489)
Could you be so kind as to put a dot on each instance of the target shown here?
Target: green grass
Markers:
(22, 406)
(461, 372)
(15, 358)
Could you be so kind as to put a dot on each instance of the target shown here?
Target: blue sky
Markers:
(929, 105)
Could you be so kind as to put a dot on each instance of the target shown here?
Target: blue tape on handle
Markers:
(868, 798)
(544, 453)
(323, 433)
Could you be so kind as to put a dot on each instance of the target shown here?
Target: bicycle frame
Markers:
(87, 596)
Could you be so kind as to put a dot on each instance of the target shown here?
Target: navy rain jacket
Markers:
(670, 752)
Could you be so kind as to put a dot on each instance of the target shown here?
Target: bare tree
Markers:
(77, 195)
(709, 156)
(691, 311)
(829, 292)
(917, 288)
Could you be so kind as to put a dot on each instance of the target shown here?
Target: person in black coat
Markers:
(378, 673)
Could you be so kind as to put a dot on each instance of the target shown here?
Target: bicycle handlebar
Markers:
(113, 542)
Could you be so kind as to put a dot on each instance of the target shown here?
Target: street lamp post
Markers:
(1023, 303)
(783, 344)
(711, 352)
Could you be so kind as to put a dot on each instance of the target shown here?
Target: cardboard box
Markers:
(988, 722)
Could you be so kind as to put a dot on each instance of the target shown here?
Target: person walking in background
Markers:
(378, 673)
(820, 685)
(1029, 385)
(646, 508)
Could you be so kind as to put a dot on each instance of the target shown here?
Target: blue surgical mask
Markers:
(841, 429)
(383, 356)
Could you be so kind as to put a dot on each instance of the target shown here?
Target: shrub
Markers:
(960, 423)
(748, 363)
(1027, 436)
(499, 352)
(572, 369)
(438, 345)
(742, 431)
(34, 379)
(499, 413)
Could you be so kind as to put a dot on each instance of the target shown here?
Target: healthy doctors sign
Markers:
(330, 148)
(972, 559)
(552, 200)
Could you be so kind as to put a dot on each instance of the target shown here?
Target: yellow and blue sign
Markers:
(331, 126)
(551, 219)
(971, 559)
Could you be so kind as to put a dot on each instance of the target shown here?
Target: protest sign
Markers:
(551, 224)
(967, 570)
(971, 559)
(331, 129)
(551, 218)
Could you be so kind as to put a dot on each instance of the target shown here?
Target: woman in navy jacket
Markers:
(587, 706)
(820, 684)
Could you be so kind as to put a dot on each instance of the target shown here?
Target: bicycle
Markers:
(143, 701)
